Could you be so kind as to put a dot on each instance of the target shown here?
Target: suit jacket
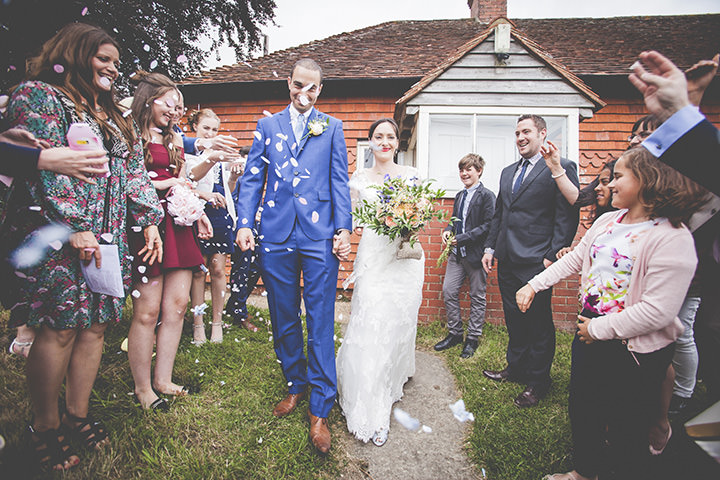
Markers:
(307, 181)
(697, 155)
(536, 221)
(477, 223)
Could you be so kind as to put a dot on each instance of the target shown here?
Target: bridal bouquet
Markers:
(184, 206)
(401, 210)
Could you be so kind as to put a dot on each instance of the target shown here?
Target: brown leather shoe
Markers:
(288, 404)
(319, 433)
(529, 397)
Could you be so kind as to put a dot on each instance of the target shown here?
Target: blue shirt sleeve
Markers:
(672, 129)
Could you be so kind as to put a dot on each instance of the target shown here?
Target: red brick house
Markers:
(456, 86)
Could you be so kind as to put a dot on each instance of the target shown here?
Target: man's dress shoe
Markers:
(447, 342)
(498, 375)
(319, 433)
(288, 404)
(529, 397)
(469, 348)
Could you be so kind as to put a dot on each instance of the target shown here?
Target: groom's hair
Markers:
(308, 63)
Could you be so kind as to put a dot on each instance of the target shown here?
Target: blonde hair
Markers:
(197, 115)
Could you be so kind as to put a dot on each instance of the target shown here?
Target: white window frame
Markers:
(572, 116)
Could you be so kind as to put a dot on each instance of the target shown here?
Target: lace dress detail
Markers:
(378, 352)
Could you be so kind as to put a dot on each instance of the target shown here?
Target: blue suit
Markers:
(306, 201)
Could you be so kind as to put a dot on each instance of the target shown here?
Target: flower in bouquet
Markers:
(401, 210)
(185, 207)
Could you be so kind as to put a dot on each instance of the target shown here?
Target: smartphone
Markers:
(81, 137)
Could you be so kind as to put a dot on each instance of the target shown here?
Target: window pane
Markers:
(450, 139)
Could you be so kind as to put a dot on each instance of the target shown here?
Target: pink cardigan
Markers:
(664, 263)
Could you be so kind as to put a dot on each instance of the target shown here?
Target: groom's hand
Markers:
(245, 239)
(341, 245)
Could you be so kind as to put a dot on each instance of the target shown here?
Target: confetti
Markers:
(462, 415)
(197, 360)
(35, 208)
(136, 228)
(315, 217)
(141, 268)
(302, 201)
(259, 440)
(289, 384)
(257, 135)
(222, 382)
(135, 294)
(271, 203)
(279, 147)
(146, 47)
(58, 68)
(267, 141)
(303, 100)
(181, 58)
(254, 170)
(153, 64)
(105, 82)
(84, 11)
(108, 237)
(293, 162)
(56, 244)
(295, 181)
(267, 114)
(275, 74)
(144, 280)
(404, 419)
(426, 429)
(263, 294)
(126, 114)
(34, 247)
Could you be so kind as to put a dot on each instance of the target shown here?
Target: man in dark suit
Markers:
(532, 222)
(299, 158)
(474, 207)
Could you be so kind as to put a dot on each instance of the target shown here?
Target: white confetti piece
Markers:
(244, 221)
(199, 309)
(263, 294)
(56, 244)
(458, 410)
(302, 201)
(136, 228)
(126, 114)
(308, 87)
(293, 162)
(404, 419)
(295, 181)
(275, 74)
(271, 203)
(282, 136)
(146, 47)
(222, 382)
(144, 280)
(279, 146)
(304, 101)
(135, 294)
(141, 268)
(108, 237)
(182, 58)
(35, 208)
(266, 160)
(201, 374)
(150, 174)
(426, 429)
(153, 64)
(267, 114)
(294, 145)
(289, 384)
(258, 135)
(315, 217)
(197, 360)
(259, 440)
(254, 170)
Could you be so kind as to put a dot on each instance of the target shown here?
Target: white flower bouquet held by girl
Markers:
(184, 205)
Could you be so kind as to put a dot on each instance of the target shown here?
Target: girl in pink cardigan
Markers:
(636, 265)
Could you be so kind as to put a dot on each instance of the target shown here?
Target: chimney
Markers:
(485, 11)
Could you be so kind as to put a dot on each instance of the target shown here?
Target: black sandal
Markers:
(52, 449)
(92, 433)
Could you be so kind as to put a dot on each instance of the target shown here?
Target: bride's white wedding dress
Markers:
(377, 355)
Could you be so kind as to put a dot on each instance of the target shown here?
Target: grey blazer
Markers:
(536, 221)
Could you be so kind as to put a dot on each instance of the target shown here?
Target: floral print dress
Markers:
(54, 291)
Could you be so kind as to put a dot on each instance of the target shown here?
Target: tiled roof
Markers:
(412, 49)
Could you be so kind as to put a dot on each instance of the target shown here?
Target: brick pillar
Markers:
(487, 10)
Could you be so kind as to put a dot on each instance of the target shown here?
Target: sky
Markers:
(299, 22)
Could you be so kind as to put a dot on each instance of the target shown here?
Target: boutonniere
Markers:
(316, 127)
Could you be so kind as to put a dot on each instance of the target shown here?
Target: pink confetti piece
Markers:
(36, 305)
(11, 68)
(20, 274)
(58, 68)
(84, 11)
(181, 58)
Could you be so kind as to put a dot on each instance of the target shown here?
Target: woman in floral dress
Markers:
(71, 81)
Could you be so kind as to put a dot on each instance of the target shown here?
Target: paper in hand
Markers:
(108, 278)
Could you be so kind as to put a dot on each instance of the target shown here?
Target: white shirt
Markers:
(294, 114)
(533, 160)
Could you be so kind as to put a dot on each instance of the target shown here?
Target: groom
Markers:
(299, 157)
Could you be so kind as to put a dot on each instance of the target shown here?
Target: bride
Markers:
(378, 353)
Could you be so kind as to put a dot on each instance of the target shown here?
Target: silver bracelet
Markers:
(558, 175)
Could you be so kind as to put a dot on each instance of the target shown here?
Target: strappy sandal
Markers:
(198, 342)
(21, 348)
(51, 449)
(87, 430)
(216, 324)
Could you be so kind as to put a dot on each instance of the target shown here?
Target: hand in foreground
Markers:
(215, 156)
(225, 143)
(582, 330)
(445, 235)
(561, 253)
(524, 297)
(215, 199)
(78, 164)
(551, 155)
(699, 77)
(205, 230)
(237, 168)
(245, 239)
(487, 262)
(87, 246)
(341, 245)
(21, 137)
(153, 249)
(662, 84)
(358, 230)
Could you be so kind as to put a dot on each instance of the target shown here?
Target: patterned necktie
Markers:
(519, 179)
(299, 127)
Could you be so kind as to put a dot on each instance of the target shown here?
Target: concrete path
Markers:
(410, 455)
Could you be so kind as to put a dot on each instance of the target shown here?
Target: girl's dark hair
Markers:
(375, 124)
(195, 117)
(73, 48)
(648, 122)
(664, 191)
(150, 87)
(610, 166)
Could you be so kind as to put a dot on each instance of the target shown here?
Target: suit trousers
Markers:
(531, 335)
(455, 273)
(282, 264)
(614, 398)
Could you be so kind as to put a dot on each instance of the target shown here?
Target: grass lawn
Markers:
(226, 431)
(508, 442)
